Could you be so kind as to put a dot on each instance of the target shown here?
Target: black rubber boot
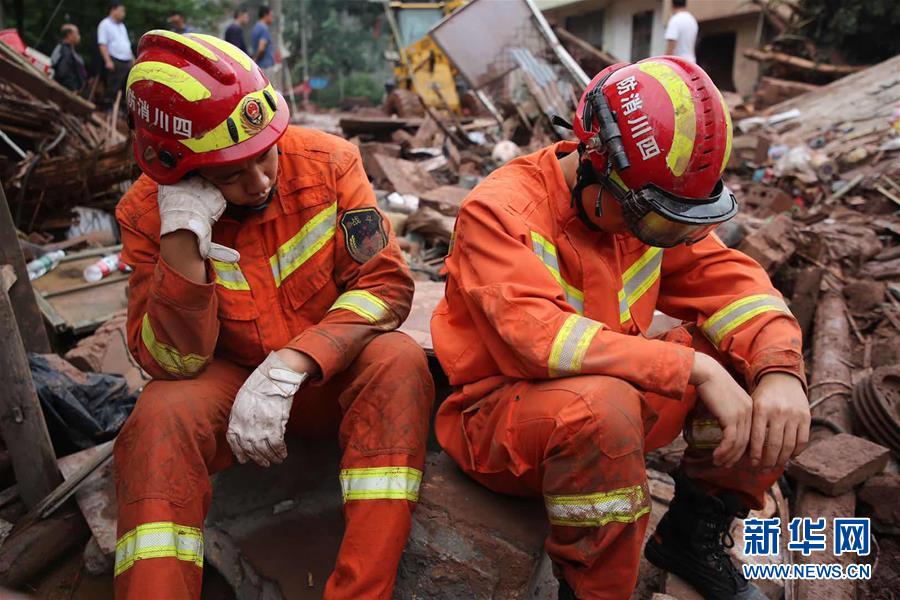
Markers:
(691, 542)
(565, 591)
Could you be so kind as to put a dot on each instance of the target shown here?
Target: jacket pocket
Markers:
(239, 338)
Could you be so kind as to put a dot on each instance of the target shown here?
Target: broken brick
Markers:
(837, 464)
(864, 295)
(106, 351)
(881, 493)
(772, 245)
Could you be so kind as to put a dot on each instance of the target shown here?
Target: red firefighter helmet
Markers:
(194, 101)
(657, 134)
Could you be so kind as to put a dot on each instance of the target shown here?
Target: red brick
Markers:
(881, 493)
(837, 464)
(811, 503)
(772, 245)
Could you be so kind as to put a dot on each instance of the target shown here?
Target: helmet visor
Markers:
(662, 219)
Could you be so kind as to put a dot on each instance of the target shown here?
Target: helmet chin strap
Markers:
(586, 176)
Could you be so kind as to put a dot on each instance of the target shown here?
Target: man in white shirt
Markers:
(115, 48)
(681, 32)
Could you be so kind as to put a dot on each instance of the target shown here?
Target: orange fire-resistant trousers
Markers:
(580, 442)
(175, 439)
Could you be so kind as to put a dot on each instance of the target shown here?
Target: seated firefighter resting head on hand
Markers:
(266, 290)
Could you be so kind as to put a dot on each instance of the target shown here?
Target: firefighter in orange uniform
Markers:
(265, 292)
(559, 260)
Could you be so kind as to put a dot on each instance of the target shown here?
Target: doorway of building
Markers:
(641, 34)
(715, 54)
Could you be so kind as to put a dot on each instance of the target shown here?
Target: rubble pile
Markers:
(814, 166)
(56, 152)
(422, 171)
(818, 179)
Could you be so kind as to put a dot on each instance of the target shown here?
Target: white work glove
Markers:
(194, 204)
(260, 412)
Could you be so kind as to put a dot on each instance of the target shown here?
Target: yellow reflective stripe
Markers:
(186, 41)
(163, 539)
(180, 82)
(547, 253)
(704, 434)
(624, 505)
(167, 356)
(570, 345)
(381, 483)
(637, 279)
(732, 316)
(235, 53)
(685, 117)
(219, 137)
(230, 276)
(306, 242)
(728, 133)
(365, 304)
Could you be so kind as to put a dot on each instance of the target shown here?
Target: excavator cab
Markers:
(421, 69)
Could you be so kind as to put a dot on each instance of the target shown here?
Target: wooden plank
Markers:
(830, 374)
(14, 69)
(801, 63)
(36, 543)
(21, 422)
(81, 306)
(28, 317)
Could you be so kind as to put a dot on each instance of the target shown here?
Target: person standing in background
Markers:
(681, 32)
(115, 48)
(234, 34)
(68, 66)
(261, 42)
(178, 24)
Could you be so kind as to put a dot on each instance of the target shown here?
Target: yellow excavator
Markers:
(421, 68)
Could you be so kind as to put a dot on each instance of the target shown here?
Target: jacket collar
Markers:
(554, 181)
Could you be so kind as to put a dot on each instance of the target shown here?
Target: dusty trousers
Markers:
(580, 442)
(175, 438)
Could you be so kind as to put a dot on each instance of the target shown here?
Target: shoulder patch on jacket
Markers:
(364, 234)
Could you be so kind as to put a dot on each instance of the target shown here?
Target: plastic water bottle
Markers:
(101, 268)
(44, 264)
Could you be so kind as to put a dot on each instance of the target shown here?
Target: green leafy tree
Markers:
(858, 31)
(345, 44)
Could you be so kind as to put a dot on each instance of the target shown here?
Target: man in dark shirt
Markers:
(235, 32)
(68, 66)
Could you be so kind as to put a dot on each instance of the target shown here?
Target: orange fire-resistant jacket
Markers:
(533, 293)
(320, 271)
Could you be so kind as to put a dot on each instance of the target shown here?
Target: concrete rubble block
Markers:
(881, 493)
(274, 533)
(837, 464)
(468, 542)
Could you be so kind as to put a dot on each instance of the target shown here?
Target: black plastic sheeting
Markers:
(81, 411)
